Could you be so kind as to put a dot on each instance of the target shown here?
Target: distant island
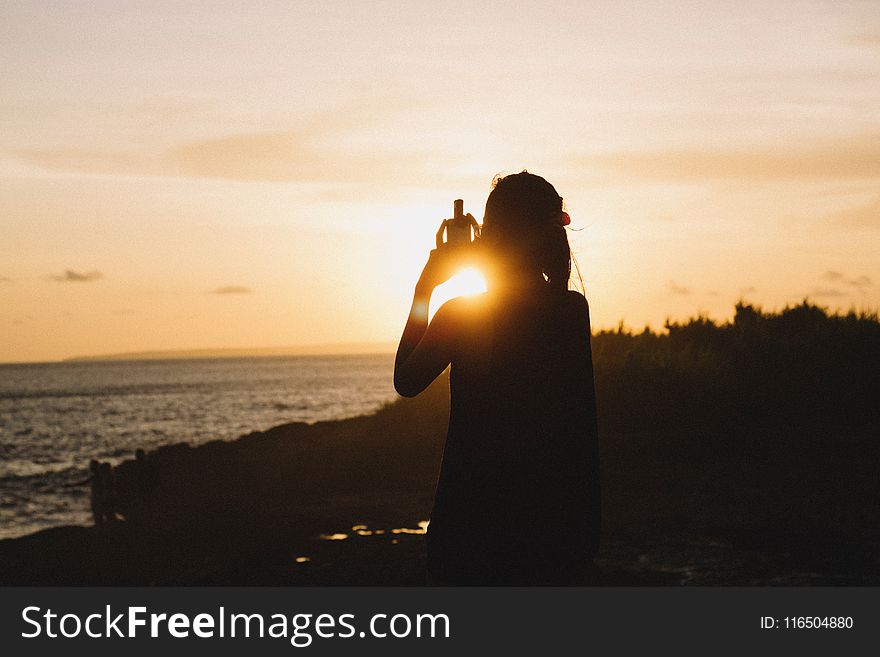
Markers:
(341, 349)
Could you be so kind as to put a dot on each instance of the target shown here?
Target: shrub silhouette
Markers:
(800, 365)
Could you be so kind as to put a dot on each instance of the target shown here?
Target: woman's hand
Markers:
(441, 266)
(449, 256)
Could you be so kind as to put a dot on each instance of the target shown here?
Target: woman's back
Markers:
(520, 462)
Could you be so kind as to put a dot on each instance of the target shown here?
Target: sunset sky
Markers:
(202, 175)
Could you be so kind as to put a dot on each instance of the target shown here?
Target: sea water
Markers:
(55, 417)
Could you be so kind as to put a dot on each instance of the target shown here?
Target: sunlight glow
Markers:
(467, 282)
(165, 168)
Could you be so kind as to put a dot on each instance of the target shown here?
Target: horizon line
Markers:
(323, 349)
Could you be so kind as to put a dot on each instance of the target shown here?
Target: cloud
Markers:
(826, 292)
(271, 156)
(232, 289)
(337, 145)
(840, 277)
(250, 157)
(291, 157)
(867, 39)
(749, 289)
(867, 215)
(853, 158)
(833, 276)
(71, 276)
(677, 289)
(4, 279)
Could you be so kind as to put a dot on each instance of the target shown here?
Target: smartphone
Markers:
(460, 230)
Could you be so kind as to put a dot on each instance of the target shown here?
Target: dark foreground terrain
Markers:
(732, 512)
(739, 454)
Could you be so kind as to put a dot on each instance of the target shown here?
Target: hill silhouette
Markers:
(341, 349)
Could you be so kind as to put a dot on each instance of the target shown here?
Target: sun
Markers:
(467, 282)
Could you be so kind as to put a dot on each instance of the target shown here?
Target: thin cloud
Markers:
(314, 150)
(290, 157)
(867, 215)
(251, 157)
(674, 288)
(71, 276)
(826, 292)
(841, 278)
(279, 156)
(855, 158)
(870, 39)
(4, 279)
(232, 289)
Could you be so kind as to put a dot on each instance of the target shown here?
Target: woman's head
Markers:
(524, 227)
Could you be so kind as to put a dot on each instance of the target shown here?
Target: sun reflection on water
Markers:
(364, 530)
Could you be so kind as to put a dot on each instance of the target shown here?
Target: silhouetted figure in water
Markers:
(146, 480)
(107, 491)
(517, 500)
(97, 496)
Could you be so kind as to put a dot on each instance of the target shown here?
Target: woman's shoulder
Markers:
(577, 308)
(575, 302)
(576, 299)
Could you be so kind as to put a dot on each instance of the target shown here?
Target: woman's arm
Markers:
(426, 349)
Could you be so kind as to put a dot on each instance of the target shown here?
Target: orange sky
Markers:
(199, 175)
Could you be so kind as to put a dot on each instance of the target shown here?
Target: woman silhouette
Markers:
(517, 500)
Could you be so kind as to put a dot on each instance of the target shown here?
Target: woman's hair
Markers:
(524, 217)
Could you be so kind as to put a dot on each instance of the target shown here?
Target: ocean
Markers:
(55, 417)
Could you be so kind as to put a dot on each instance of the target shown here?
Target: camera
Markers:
(461, 230)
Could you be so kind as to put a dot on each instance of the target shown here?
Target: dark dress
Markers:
(517, 500)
